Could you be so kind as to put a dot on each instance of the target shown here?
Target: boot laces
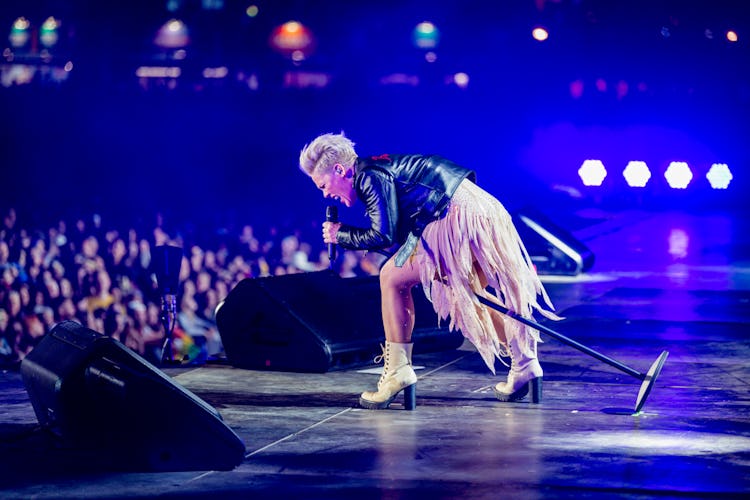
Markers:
(380, 357)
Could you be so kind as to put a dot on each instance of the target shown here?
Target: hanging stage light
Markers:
(426, 35)
(172, 35)
(48, 34)
(19, 33)
(294, 40)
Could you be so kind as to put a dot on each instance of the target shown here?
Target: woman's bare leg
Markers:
(497, 318)
(397, 303)
(397, 306)
(525, 373)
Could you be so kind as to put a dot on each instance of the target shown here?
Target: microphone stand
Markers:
(168, 320)
(166, 264)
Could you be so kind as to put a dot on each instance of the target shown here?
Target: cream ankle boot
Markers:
(397, 375)
(525, 373)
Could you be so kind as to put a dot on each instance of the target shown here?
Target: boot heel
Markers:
(410, 397)
(535, 388)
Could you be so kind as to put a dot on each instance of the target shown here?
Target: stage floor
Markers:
(661, 281)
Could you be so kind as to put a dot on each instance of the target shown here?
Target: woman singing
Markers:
(454, 239)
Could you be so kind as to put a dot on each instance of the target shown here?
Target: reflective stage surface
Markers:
(664, 281)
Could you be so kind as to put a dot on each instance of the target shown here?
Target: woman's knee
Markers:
(398, 278)
(388, 277)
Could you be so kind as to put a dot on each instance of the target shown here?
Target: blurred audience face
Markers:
(4, 252)
(3, 320)
(66, 310)
(90, 247)
(196, 259)
(119, 250)
(14, 303)
(9, 276)
(203, 282)
(66, 288)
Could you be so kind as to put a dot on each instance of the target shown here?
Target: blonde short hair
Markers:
(325, 151)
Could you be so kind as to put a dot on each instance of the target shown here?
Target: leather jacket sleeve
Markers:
(376, 189)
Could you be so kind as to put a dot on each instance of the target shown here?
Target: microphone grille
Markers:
(332, 213)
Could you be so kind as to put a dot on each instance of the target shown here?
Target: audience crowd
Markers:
(102, 278)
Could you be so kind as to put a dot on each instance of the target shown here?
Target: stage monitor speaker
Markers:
(316, 322)
(96, 395)
(553, 250)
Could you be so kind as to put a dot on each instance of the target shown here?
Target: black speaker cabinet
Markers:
(552, 249)
(93, 393)
(316, 322)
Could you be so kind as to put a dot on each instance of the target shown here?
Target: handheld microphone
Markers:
(332, 215)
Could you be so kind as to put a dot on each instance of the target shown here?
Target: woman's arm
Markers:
(377, 191)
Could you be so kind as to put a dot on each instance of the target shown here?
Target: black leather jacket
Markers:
(402, 194)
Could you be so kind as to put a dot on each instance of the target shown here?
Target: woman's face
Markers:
(337, 184)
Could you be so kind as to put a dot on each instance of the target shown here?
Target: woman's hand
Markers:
(329, 232)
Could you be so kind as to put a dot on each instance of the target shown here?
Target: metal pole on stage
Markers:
(648, 378)
(167, 260)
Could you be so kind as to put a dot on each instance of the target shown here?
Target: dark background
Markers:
(218, 152)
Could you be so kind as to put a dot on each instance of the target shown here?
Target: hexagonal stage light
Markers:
(637, 174)
(592, 173)
(719, 176)
(678, 175)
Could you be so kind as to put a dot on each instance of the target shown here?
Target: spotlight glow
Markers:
(19, 33)
(426, 35)
(219, 72)
(158, 72)
(294, 40)
(656, 443)
(48, 33)
(172, 35)
(637, 174)
(21, 24)
(539, 34)
(719, 176)
(461, 80)
(678, 175)
(732, 36)
(576, 89)
(592, 173)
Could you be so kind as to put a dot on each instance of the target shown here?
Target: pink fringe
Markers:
(479, 229)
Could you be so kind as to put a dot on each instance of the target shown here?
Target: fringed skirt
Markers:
(478, 233)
